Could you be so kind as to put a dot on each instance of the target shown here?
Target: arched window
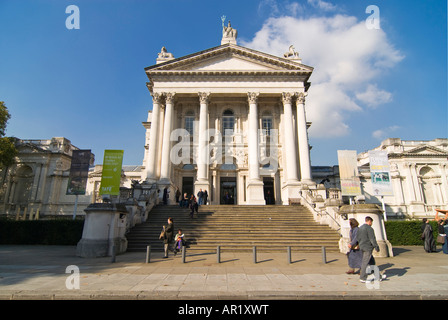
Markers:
(25, 179)
(429, 187)
(228, 122)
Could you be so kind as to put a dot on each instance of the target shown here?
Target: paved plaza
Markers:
(51, 273)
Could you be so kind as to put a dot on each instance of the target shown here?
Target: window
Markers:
(228, 122)
(266, 125)
(189, 125)
(189, 122)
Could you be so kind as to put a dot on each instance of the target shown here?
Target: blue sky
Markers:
(89, 85)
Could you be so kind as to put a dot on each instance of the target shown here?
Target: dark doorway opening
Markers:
(268, 189)
(228, 190)
(187, 186)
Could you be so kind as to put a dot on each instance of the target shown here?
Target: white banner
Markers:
(348, 173)
(380, 173)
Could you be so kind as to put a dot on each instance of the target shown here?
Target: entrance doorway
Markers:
(187, 186)
(268, 189)
(228, 190)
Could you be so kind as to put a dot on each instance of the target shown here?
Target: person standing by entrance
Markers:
(367, 242)
(200, 197)
(205, 197)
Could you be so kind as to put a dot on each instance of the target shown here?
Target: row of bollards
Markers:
(218, 254)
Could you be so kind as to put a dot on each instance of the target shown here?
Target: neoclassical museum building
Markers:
(232, 121)
(229, 120)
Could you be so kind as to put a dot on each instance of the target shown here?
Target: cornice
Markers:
(230, 49)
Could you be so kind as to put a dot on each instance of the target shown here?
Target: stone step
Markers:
(237, 228)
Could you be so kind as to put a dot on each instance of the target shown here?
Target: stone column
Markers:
(203, 151)
(290, 147)
(292, 186)
(302, 137)
(255, 194)
(166, 143)
(151, 157)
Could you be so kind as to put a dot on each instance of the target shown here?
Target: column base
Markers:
(201, 184)
(308, 182)
(255, 193)
(291, 190)
(161, 185)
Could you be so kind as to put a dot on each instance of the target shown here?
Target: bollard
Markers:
(218, 254)
(324, 255)
(289, 255)
(148, 254)
(255, 254)
(184, 251)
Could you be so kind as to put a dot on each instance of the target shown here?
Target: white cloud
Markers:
(347, 59)
(384, 133)
(373, 96)
(326, 6)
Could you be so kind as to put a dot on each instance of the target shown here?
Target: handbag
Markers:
(162, 234)
(441, 239)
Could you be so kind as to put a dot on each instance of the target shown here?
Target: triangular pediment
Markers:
(425, 150)
(29, 148)
(230, 58)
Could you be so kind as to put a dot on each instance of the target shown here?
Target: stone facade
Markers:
(229, 120)
(38, 179)
(419, 172)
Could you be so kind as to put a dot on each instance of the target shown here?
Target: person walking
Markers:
(427, 236)
(168, 236)
(354, 255)
(367, 242)
(193, 206)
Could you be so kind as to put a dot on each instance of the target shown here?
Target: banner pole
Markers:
(76, 207)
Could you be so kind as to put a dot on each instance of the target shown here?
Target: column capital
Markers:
(287, 97)
(156, 97)
(169, 97)
(204, 97)
(301, 97)
(253, 97)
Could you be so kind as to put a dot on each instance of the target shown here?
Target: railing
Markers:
(254, 254)
(312, 206)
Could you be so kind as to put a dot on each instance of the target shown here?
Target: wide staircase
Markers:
(237, 228)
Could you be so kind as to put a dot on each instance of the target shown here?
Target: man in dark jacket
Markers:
(367, 242)
(168, 237)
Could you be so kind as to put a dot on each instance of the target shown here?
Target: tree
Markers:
(8, 149)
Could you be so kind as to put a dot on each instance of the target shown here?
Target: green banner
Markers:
(111, 176)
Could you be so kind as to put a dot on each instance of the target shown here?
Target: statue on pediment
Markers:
(229, 34)
(292, 53)
(164, 55)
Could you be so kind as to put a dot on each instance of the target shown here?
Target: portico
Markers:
(229, 118)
